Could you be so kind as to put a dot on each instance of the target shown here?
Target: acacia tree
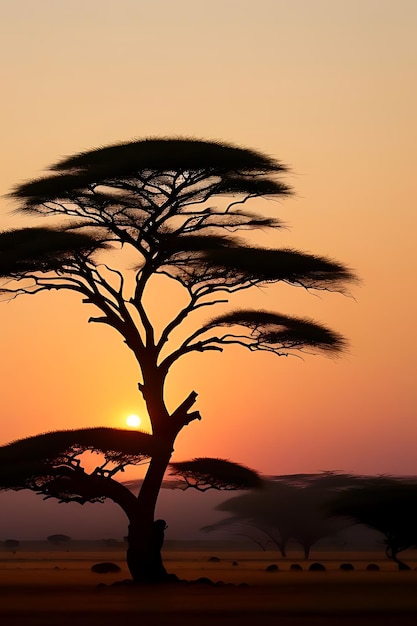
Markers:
(385, 504)
(286, 508)
(176, 206)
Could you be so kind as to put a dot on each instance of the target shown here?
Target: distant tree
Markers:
(58, 540)
(12, 545)
(386, 504)
(169, 207)
(287, 508)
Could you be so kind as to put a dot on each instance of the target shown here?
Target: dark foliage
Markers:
(44, 250)
(49, 463)
(287, 508)
(11, 544)
(105, 568)
(317, 567)
(155, 195)
(117, 445)
(388, 505)
(220, 263)
(372, 567)
(167, 154)
(207, 473)
(296, 567)
(278, 332)
(272, 568)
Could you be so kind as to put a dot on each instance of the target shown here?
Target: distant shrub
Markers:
(272, 568)
(372, 567)
(204, 581)
(316, 567)
(214, 559)
(346, 567)
(11, 544)
(58, 539)
(105, 568)
(295, 567)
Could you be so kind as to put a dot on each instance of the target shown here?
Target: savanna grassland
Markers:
(45, 586)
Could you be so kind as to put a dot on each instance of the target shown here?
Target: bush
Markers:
(272, 568)
(316, 567)
(105, 568)
(295, 567)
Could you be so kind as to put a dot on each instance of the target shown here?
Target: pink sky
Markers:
(327, 87)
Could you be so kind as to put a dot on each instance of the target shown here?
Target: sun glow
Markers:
(133, 421)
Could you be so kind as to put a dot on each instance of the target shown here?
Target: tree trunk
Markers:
(144, 557)
(146, 535)
(392, 553)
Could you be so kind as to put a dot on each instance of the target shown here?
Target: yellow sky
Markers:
(327, 86)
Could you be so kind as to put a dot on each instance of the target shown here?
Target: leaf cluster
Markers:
(29, 250)
(224, 262)
(287, 508)
(38, 462)
(280, 332)
(212, 473)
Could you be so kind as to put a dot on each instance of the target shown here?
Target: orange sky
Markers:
(327, 86)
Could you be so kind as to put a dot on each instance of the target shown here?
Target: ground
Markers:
(56, 587)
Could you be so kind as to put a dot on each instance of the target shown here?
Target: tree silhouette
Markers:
(173, 207)
(11, 544)
(386, 504)
(286, 508)
(58, 539)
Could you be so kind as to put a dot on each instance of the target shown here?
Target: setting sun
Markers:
(133, 421)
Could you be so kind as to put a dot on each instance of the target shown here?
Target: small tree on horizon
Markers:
(12, 545)
(58, 539)
(174, 207)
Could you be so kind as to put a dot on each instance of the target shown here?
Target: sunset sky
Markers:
(328, 87)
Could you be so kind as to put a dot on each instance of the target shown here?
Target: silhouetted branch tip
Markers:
(213, 473)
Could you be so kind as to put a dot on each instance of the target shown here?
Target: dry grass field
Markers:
(57, 588)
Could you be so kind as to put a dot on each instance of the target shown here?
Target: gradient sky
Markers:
(327, 86)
